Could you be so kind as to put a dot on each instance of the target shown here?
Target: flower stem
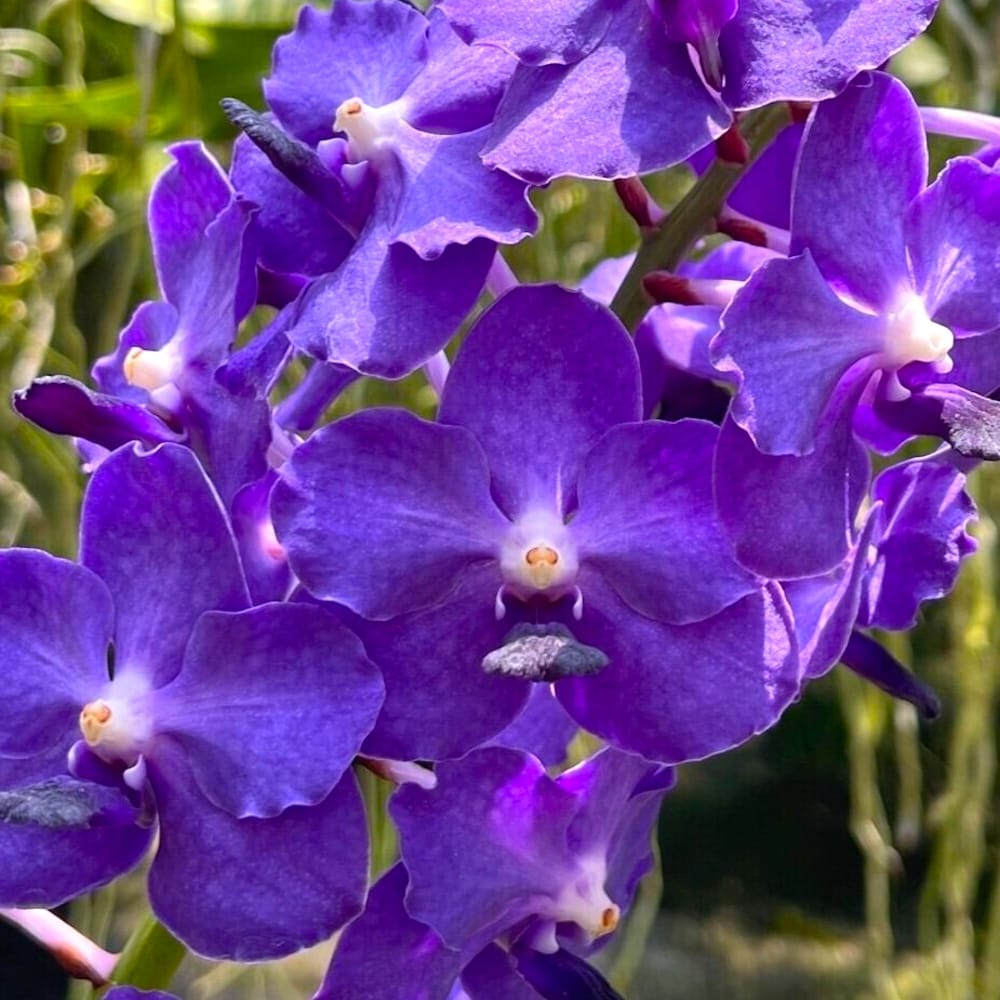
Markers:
(665, 246)
(865, 712)
(150, 958)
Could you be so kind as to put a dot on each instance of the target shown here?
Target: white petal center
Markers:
(370, 131)
(538, 556)
(118, 725)
(584, 901)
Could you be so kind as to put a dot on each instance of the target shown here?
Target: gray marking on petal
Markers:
(63, 803)
(543, 653)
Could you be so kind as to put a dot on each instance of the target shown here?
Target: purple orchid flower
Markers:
(612, 86)
(370, 181)
(204, 255)
(860, 327)
(172, 377)
(538, 498)
(159, 385)
(144, 663)
(550, 866)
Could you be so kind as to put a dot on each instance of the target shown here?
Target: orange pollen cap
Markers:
(541, 555)
(609, 919)
(352, 107)
(93, 718)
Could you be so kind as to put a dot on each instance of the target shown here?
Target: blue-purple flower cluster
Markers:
(657, 538)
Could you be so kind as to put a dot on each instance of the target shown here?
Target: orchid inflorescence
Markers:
(656, 536)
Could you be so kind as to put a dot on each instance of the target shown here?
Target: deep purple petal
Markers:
(493, 975)
(926, 510)
(792, 340)
(43, 866)
(385, 953)
(877, 665)
(542, 375)
(602, 282)
(807, 51)
(673, 394)
(382, 511)
(632, 105)
(186, 198)
(790, 516)
(682, 692)
(46, 867)
(630, 855)
(204, 252)
(450, 197)
(500, 820)
(733, 261)
(678, 377)
(863, 160)
(220, 286)
(869, 425)
(460, 85)
(543, 728)
(559, 31)
(439, 701)
(976, 364)
(618, 797)
(303, 408)
(254, 889)
(62, 405)
(254, 684)
(645, 490)
(693, 21)
(154, 531)
(385, 311)
(825, 607)
(297, 236)
(265, 563)
(229, 433)
(367, 50)
(682, 336)
(563, 974)
(951, 234)
(56, 623)
(317, 173)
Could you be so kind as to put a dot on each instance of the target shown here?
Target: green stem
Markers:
(150, 958)
(951, 893)
(640, 925)
(381, 830)
(864, 711)
(906, 739)
(665, 246)
(990, 961)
